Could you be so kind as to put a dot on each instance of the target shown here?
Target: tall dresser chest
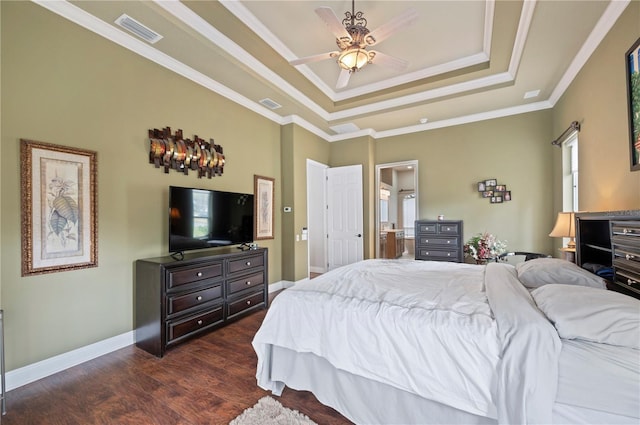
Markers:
(439, 240)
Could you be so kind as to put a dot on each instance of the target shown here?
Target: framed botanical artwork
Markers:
(263, 207)
(59, 208)
(632, 59)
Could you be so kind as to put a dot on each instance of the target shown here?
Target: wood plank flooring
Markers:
(208, 380)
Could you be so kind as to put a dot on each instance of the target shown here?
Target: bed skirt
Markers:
(364, 401)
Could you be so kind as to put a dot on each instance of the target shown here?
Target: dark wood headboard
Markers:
(609, 243)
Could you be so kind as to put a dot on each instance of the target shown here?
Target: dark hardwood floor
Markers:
(208, 380)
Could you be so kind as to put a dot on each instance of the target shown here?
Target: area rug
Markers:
(270, 412)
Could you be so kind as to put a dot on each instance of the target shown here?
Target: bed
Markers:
(388, 341)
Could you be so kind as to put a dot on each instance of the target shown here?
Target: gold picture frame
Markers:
(59, 208)
(263, 207)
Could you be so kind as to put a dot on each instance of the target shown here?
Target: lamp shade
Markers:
(565, 227)
(353, 59)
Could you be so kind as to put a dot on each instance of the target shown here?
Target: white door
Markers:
(344, 215)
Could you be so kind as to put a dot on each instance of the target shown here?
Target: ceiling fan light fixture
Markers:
(353, 59)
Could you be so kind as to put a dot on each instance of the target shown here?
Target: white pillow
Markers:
(591, 314)
(542, 271)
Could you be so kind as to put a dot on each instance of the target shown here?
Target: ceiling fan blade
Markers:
(381, 33)
(335, 25)
(388, 61)
(314, 58)
(343, 79)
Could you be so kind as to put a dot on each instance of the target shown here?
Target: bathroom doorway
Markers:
(396, 209)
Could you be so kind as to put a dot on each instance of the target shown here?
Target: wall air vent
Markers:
(271, 104)
(131, 25)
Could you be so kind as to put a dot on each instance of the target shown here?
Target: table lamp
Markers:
(565, 228)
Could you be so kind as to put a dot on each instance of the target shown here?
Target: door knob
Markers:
(359, 235)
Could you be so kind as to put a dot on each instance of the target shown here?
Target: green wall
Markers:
(514, 150)
(298, 145)
(64, 85)
(597, 99)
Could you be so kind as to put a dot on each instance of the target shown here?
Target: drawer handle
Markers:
(625, 231)
(629, 257)
(249, 302)
(199, 274)
(448, 241)
(448, 254)
(199, 298)
(426, 240)
(248, 263)
(248, 282)
(631, 281)
(199, 322)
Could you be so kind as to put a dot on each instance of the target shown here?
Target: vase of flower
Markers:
(484, 247)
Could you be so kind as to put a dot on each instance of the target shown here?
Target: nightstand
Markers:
(569, 254)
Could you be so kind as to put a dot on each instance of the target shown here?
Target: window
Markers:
(409, 215)
(570, 174)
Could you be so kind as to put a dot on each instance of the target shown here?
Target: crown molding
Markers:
(75, 14)
(242, 13)
(604, 25)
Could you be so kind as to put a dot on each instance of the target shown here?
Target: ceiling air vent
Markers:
(271, 104)
(345, 128)
(131, 25)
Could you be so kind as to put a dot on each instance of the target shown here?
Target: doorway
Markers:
(334, 216)
(396, 209)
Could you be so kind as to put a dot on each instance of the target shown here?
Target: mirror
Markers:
(396, 209)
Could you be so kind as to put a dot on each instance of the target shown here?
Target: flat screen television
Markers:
(201, 218)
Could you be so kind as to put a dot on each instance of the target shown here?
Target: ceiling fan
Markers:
(353, 37)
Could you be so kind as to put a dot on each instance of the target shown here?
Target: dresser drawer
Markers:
(427, 228)
(244, 304)
(628, 278)
(630, 229)
(177, 329)
(448, 228)
(246, 282)
(177, 304)
(193, 274)
(436, 254)
(429, 241)
(246, 263)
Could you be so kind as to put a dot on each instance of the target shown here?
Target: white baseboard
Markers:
(30, 373)
(317, 269)
(283, 284)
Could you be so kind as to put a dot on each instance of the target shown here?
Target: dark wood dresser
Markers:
(178, 299)
(439, 240)
(611, 240)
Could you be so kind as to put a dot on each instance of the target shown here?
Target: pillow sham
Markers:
(591, 314)
(543, 271)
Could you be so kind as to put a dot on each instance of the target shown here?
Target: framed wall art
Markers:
(59, 208)
(632, 59)
(263, 207)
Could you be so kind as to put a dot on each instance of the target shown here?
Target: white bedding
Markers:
(600, 377)
(466, 336)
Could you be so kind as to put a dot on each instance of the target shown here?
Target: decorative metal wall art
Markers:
(497, 193)
(176, 152)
